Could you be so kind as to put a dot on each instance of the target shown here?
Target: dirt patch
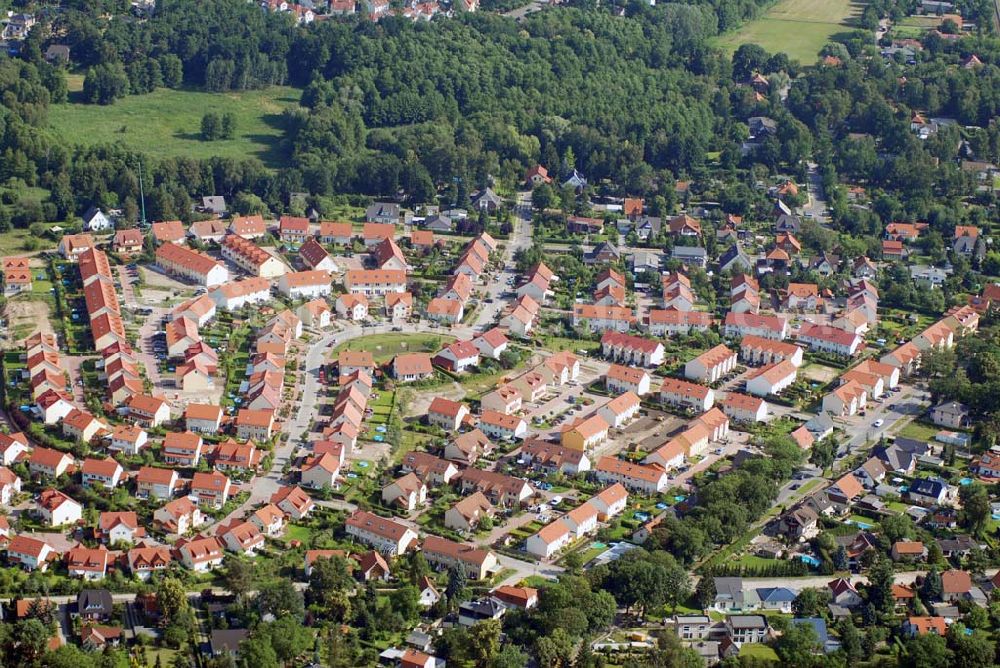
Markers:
(422, 399)
(819, 373)
(151, 297)
(23, 319)
(155, 279)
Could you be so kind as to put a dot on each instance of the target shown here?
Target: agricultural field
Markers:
(167, 123)
(800, 28)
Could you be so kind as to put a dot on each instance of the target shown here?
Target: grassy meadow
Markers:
(800, 28)
(167, 123)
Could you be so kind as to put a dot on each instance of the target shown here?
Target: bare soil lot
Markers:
(24, 318)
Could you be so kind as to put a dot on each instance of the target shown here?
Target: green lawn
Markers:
(758, 651)
(800, 28)
(167, 123)
(12, 243)
(919, 431)
(558, 344)
(299, 533)
(386, 346)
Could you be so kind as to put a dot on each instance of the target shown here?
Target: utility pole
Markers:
(142, 197)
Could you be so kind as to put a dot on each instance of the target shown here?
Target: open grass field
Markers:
(919, 431)
(167, 123)
(384, 347)
(800, 28)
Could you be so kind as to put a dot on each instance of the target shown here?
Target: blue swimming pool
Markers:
(809, 560)
(642, 517)
(965, 481)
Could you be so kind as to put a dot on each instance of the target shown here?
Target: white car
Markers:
(878, 423)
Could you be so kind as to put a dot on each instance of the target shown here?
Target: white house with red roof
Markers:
(10, 485)
(211, 489)
(201, 554)
(491, 343)
(157, 483)
(712, 365)
(743, 407)
(184, 448)
(505, 399)
(191, 265)
(143, 560)
(771, 379)
(501, 426)
(684, 394)
(621, 379)
(639, 477)
(352, 307)
(458, 356)
(203, 418)
(101, 472)
(119, 527)
(179, 516)
(408, 492)
(147, 410)
(49, 462)
(241, 537)
(87, 563)
(30, 553)
(58, 509)
(619, 411)
(632, 350)
(270, 519)
(825, 338)
(446, 413)
(128, 438)
(293, 501)
(389, 537)
(12, 447)
(738, 325)
(321, 472)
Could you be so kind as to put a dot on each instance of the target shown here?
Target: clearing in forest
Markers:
(167, 123)
(800, 28)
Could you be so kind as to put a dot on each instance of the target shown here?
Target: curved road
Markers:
(263, 486)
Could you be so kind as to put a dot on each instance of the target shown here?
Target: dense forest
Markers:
(434, 110)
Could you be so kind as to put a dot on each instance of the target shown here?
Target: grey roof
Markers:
(689, 251)
(735, 255)
(94, 600)
(747, 621)
(962, 543)
(382, 210)
(952, 407)
(645, 259)
(487, 198)
(650, 223)
(928, 487)
(214, 203)
(820, 424)
(838, 611)
(692, 619)
(762, 125)
(227, 640)
(775, 594)
(483, 608)
(576, 180)
(788, 222)
(439, 222)
(606, 246)
(729, 589)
